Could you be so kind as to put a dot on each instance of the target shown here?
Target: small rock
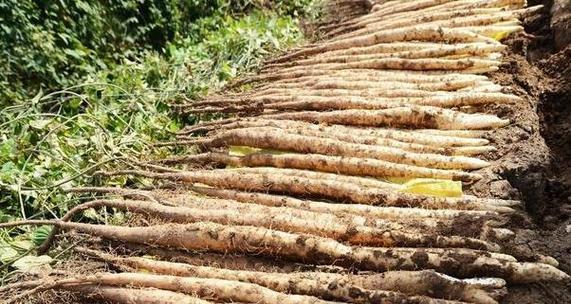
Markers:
(501, 189)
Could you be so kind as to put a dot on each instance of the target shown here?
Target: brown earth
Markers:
(533, 161)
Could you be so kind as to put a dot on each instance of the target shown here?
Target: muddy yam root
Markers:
(272, 138)
(245, 239)
(389, 285)
(331, 189)
(314, 224)
(323, 163)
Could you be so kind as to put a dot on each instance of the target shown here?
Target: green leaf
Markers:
(34, 264)
(37, 98)
(40, 124)
(77, 54)
(7, 148)
(7, 253)
(22, 244)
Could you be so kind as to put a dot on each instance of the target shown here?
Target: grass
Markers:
(55, 140)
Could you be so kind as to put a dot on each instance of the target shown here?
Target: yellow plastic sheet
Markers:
(435, 187)
(500, 35)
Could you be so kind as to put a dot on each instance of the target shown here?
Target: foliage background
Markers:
(85, 85)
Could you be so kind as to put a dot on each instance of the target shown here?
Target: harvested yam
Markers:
(219, 290)
(409, 48)
(105, 293)
(352, 94)
(305, 99)
(245, 239)
(420, 117)
(342, 99)
(314, 224)
(421, 64)
(493, 265)
(413, 76)
(426, 33)
(334, 164)
(443, 138)
(220, 260)
(439, 222)
(329, 100)
(355, 209)
(425, 283)
(367, 140)
(187, 197)
(272, 138)
(360, 84)
(379, 76)
(329, 189)
(475, 49)
(131, 295)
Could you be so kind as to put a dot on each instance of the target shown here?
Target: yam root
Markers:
(245, 239)
(330, 189)
(315, 224)
(373, 287)
(273, 138)
(419, 117)
(323, 163)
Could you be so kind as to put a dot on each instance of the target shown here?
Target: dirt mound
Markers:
(534, 155)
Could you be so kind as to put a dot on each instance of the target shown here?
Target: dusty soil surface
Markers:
(533, 161)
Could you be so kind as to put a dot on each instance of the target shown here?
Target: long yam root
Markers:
(415, 220)
(218, 290)
(333, 164)
(330, 189)
(313, 224)
(368, 135)
(342, 99)
(245, 239)
(273, 138)
(420, 117)
(426, 33)
(422, 64)
(373, 287)
(130, 295)
(355, 209)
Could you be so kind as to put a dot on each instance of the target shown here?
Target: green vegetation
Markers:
(85, 85)
(54, 44)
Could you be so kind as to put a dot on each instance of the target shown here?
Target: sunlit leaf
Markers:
(34, 264)
(40, 124)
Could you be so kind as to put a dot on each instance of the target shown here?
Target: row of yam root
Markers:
(335, 176)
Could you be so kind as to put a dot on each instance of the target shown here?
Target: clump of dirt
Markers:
(533, 161)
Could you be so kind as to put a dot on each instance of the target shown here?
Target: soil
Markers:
(533, 161)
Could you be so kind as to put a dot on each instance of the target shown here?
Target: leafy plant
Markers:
(49, 44)
(119, 79)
